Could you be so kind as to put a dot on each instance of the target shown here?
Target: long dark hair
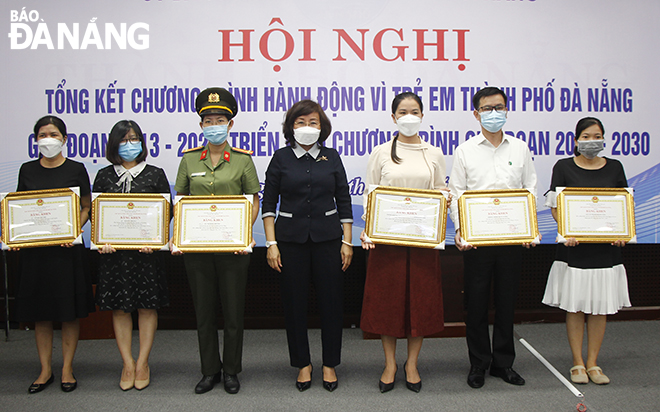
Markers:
(583, 124)
(119, 130)
(395, 105)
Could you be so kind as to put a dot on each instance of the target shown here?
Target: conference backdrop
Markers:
(93, 63)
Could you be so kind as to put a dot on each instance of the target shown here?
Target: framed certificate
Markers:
(498, 217)
(595, 215)
(406, 217)
(212, 223)
(41, 218)
(130, 221)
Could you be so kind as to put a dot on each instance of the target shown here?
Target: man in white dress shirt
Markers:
(491, 160)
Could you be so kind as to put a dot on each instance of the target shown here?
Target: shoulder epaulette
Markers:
(247, 152)
(193, 149)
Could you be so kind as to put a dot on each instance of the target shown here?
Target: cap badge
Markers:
(214, 98)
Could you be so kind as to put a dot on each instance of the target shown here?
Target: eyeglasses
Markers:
(500, 108)
(300, 123)
(132, 140)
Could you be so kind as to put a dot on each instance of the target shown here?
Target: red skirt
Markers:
(403, 292)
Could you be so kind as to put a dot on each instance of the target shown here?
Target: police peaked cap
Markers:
(216, 100)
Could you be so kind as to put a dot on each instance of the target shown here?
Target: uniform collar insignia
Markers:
(227, 156)
(203, 156)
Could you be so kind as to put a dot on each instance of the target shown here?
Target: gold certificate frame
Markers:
(130, 221)
(498, 217)
(212, 223)
(406, 217)
(40, 218)
(596, 215)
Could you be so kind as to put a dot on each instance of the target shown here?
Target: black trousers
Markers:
(321, 264)
(217, 277)
(499, 265)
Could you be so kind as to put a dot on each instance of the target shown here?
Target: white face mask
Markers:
(409, 124)
(306, 135)
(50, 146)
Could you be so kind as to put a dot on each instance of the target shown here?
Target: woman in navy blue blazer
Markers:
(305, 244)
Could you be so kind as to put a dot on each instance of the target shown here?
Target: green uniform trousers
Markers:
(213, 275)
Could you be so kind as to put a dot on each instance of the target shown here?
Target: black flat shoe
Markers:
(208, 382)
(476, 377)
(38, 387)
(303, 386)
(386, 387)
(508, 375)
(232, 385)
(69, 386)
(415, 387)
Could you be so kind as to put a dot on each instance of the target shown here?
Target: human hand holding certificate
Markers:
(406, 217)
(595, 215)
(498, 217)
(41, 218)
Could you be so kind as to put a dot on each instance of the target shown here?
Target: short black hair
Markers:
(119, 130)
(303, 108)
(582, 124)
(46, 120)
(485, 92)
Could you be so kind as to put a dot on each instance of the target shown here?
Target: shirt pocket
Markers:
(514, 176)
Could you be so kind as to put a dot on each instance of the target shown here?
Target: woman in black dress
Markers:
(54, 283)
(131, 280)
(587, 280)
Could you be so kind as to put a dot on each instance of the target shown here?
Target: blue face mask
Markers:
(493, 121)
(216, 134)
(130, 151)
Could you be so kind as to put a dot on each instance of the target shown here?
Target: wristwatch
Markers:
(270, 243)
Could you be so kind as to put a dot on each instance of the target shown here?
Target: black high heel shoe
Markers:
(303, 386)
(330, 386)
(38, 387)
(386, 387)
(70, 386)
(415, 387)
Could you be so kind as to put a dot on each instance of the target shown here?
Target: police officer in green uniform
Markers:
(218, 169)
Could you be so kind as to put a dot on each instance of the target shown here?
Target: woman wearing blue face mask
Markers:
(130, 280)
(217, 168)
(587, 280)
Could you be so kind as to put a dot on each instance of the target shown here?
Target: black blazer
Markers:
(313, 196)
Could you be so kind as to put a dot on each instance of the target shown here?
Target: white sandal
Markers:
(597, 376)
(581, 376)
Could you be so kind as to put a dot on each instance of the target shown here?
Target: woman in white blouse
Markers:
(403, 289)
